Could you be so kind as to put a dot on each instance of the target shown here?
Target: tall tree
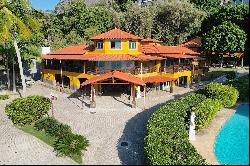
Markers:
(16, 22)
(225, 38)
(209, 6)
(175, 21)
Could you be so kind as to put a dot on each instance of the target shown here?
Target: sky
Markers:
(44, 4)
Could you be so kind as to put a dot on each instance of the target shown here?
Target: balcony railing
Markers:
(134, 71)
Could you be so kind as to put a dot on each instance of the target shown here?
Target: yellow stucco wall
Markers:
(74, 77)
(124, 48)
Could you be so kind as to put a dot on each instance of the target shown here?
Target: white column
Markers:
(138, 95)
(61, 73)
(242, 64)
(141, 70)
(192, 127)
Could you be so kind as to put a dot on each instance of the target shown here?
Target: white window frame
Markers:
(133, 44)
(97, 45)
(115, 41)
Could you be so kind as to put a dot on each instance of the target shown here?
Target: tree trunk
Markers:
(8, 74)
(20, 65)
(14, 77)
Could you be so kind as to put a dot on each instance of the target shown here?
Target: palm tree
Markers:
(17, 22)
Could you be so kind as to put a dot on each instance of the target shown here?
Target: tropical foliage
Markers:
(4, 97)
(52, 127)
(228, 95)
(242, 85)
(224, 38)
(27, 110)
(66, 143)
(205, 112)
(166, 141)
(71, 144)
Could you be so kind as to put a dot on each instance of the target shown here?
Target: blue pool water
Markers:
(232, 142)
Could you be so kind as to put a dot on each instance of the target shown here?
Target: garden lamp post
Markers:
(52, 97)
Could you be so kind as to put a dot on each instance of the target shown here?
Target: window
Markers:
(115, 44)
(132, 44)
(99, 45)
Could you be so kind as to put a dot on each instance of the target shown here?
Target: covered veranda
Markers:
(117, 78)
(114, 78)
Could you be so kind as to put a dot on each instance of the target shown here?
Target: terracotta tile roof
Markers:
(61, 57)
(157, 79)
(151, 40)
(119, 57)
(156, 49)
(194, 43)
(115, 74)
(116, 34)
(182, 56)
(71, 50)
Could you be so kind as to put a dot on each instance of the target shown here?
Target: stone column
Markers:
(172, 87)
(92, 102)
(133, 96)
(138, 95)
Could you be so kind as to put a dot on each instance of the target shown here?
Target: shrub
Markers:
(242, 85)
(231, 75)
(52, 127)
(4, 97)
(71, 144)
(166, 141)
(27, 110)
(228, 95)
(205, 112)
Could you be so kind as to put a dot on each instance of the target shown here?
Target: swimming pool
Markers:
(232, 142)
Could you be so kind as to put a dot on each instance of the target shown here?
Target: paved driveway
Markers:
(19, 148)
(106, 126)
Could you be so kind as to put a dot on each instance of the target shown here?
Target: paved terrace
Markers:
(106, 126)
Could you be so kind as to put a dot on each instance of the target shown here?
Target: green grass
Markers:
(46, 138)
(4, 97)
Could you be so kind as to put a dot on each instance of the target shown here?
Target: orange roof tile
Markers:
(151, 40)
(61, 57)
(157, 49)
(196, 42)
(116, 34)
(115, 74)
(119, 57)
(157, 79)
(179, 56)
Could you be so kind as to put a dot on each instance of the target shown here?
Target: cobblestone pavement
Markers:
(106, 126)
(19, 148)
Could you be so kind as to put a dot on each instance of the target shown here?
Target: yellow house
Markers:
(120, 58)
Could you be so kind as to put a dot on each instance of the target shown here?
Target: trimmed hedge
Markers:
(66, 142)
(52, 127)
(166, 141)
(4, 97)
(71, 144)
(205, 112)
(231, 75)
(26, 110)
(228, 95)
(242, 85)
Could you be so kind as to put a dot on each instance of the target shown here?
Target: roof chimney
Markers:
(45, 50)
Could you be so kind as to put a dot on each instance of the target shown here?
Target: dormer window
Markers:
(99, 45)
(115, 44)
(132, 44)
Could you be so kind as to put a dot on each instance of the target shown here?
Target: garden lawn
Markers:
(46, 138)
